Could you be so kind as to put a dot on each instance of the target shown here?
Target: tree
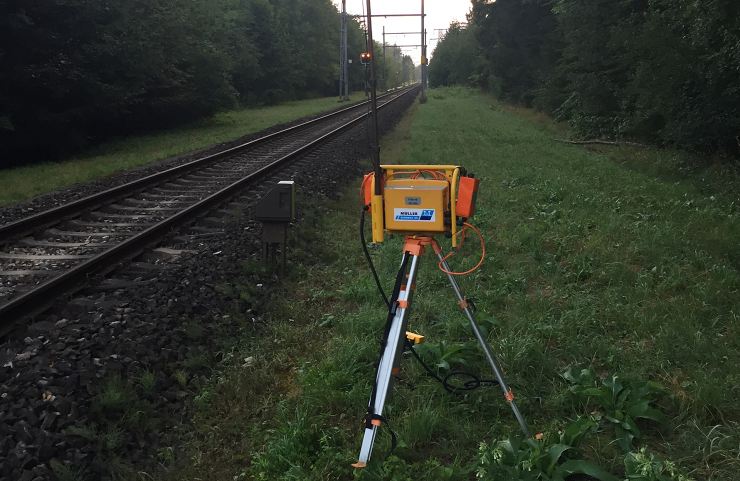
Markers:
(661, 71)
(512, 36)
(73, 72)
(455, 58)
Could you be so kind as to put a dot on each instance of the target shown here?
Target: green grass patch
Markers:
(22, 183)
(624, 274)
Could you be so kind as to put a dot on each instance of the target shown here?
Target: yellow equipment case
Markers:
(416, 205)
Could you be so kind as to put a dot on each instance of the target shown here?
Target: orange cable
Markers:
(483, 246)
(415, 174)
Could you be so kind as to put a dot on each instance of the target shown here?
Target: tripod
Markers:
(394, 335)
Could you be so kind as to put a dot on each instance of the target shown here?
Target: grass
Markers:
(614, 260)
(22, 183)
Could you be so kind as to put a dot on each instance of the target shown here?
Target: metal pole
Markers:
(341, 56)
(343, 51)
(483, 343)
(385, 82)
(425, 59)
(346, 63)
(389, 360)
(423, 98)
(374, 102)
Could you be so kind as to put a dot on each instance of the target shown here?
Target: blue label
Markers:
(418, 215)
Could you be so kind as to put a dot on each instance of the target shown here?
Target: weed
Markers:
(112, 439)
(196, 361)
(119, 469)
(166, 455)
(203, 400)
(89, 432)
(300, 446)
(115, 395)
(397, 469)
(107, 443)
(181, 378)
(254, 266)
(193, 330)
(550, 458)
(65, 472)
(623, 400)
(225, 289)
(445, 354)
(486, 324)
(641, 466)
(148, 382)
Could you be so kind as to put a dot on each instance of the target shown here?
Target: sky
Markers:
(439, 14)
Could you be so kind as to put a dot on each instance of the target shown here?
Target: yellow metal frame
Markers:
(451, 171)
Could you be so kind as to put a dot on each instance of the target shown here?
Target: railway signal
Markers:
(365, 58)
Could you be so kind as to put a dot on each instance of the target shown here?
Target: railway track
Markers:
(56, 252)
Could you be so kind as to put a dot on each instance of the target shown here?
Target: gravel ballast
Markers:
(148, 334)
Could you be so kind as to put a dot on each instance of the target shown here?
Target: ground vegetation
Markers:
(608, 293)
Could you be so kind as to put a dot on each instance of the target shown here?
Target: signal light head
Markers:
(365, 58)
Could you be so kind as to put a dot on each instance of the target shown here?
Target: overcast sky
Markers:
(439, 14)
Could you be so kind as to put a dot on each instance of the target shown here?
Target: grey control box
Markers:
(278, 205)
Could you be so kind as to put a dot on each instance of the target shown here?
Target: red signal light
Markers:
(365, 58)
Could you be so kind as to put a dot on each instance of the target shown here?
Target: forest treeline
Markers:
(73, 72)
(665, 72)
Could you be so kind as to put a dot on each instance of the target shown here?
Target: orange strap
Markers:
(436, 247)
(362, 187)
(464, 302)
(403, 304)
(509, 395)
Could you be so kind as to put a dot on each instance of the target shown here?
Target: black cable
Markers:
(369, 260)
(474, 383)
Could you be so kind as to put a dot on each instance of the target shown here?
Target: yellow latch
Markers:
(417, 338)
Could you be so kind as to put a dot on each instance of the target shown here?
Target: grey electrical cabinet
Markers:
(279, 204)
(276, 210)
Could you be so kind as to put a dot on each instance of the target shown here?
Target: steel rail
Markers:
(57, 214)
(29, 304)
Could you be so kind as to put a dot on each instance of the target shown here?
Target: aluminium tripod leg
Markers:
(389, 362)
(508, 394)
